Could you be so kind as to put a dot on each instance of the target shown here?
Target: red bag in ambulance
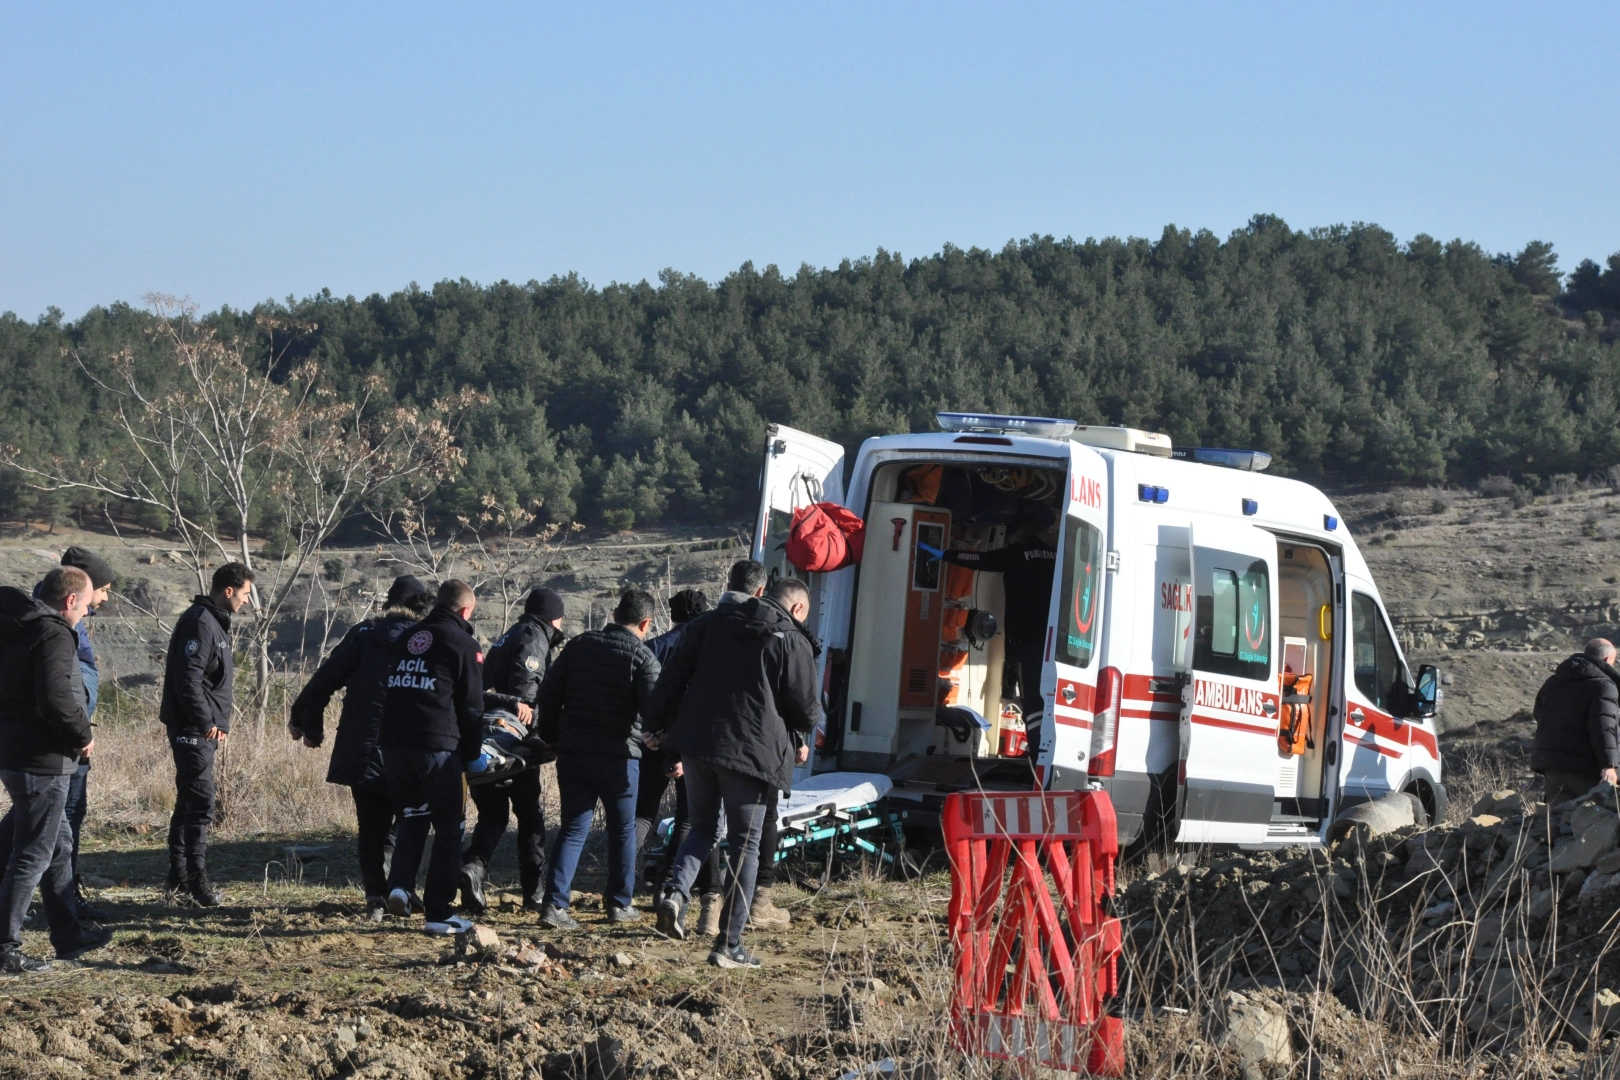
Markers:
(825, 536)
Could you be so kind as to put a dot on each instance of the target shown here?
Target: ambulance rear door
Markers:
(1074, 637)
(799, 469)
(1230, 707)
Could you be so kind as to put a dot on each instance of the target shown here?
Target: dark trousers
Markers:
(521, 795)
(1029, 656)
(77, 788)
(1561, 787)
(193, 803)
(583, 780)
(374, 827)
(655, 780)
(765, 877)
(745, 799)
(426, 789)
(42, 857)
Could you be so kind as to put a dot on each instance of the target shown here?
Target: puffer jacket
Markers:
(596, 693)
(199, 672)
(1578, 718)
(43, 723)
(359, 666)
(518, 661)
(740, 691)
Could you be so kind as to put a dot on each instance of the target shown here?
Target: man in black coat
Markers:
(433, 724)
(590, 710)
(1578, 724)
(516, 665)
(359, 666)
(198, 680)
(739, 698)
(44, 732)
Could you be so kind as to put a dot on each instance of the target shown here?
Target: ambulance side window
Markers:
(1232, 616)
(1378, 666)
(1081, 598)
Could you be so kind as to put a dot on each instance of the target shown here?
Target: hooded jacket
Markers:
(434, 691)
(359, 666)
(596, 693)
(199, 672)
(43, 723)
(1578, 718)
(740, 691)
(518, 661)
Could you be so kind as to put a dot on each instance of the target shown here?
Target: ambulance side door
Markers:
(1074, 625)
(1376, 737)
(799, 469)
(1230, 706)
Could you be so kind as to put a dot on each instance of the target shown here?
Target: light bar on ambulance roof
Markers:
(1041, 427)
(1247, 460)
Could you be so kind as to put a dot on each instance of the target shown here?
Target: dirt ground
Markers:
(288, 979)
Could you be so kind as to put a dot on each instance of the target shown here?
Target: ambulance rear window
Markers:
(1082, 594)
(1232, 624)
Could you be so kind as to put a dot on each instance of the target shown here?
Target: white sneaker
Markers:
(455, 924)
(399, 903)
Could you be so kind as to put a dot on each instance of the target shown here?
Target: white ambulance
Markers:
(1191, 592)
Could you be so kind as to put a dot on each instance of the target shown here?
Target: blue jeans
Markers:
(583, 780)
(426, 788)
(75, 810)
(41, 855)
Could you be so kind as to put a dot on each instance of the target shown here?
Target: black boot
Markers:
(472, 887)
(202, 891)
(176, 883)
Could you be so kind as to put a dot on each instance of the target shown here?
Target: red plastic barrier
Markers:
(1037, 956)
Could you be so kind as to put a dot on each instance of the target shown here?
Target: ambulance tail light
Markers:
(1105, 721)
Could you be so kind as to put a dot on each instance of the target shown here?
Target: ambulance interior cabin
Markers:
(1305, 615)
(930, 699)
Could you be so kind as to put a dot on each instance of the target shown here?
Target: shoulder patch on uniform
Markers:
(420, 642)
(532, 663)
(191, 647)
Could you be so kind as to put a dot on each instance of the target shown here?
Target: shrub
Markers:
(621, 520)
(1563, 484)
(1496, 487)
(1522, 497)
(332, 570)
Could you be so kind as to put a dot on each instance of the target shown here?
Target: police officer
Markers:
(198, 676)
(516, 665)
(360, 666)
(433, 723)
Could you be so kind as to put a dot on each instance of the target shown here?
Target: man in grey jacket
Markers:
(44, 731)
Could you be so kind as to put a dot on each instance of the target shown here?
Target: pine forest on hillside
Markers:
(1345, 353)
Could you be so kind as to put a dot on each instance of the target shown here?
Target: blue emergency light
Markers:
(1246, 460)
(1250, 508)
(1152, 493)
(1329, 522)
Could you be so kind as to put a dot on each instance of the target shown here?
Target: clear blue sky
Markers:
(239, 152)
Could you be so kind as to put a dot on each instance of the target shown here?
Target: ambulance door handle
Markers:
(1068, 695)
(1269, 706)
(1358, 718)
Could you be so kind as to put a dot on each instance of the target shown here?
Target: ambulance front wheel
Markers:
(1430, 794)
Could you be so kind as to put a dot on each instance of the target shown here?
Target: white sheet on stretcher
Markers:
(845, 790)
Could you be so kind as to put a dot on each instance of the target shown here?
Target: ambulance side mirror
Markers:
(1425, 700)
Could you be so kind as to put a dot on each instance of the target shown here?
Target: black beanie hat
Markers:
(687, 605)
(403, 589)
(545, 604)
(100, 570)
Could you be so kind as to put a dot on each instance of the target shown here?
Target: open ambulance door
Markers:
(1069, 672)
(799, 469)
(1230, 709)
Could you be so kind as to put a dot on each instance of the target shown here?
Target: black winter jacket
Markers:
(200, 672)
(359, 666)
(741, 691)
(518, 661)
(1578, 718)
(434, 697)
(43, 725)
(596, 693)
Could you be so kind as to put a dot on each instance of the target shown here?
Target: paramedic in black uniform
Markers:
(432, 725)
(360, 666)
(516, 665)
(198, 675)
(1026, 565)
